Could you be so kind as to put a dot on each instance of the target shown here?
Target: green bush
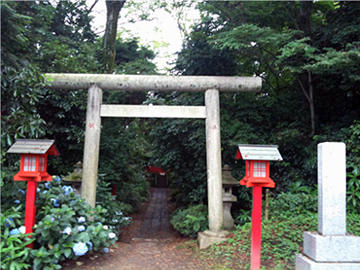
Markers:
(133, 192)
(190, 221)
(67, 226)
(299, 200)
(353, 189)
(14, 251)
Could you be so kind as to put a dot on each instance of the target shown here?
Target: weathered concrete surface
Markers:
(207, 238)
(332, 188)
(304, 263)
(322, 248)
(91, 147)
(143, 111)
(213, 160)
(153, 82)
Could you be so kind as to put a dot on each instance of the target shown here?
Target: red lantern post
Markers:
(33, 167)
(257, 176)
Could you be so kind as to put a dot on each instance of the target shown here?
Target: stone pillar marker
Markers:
(331, 248)
(332, 188)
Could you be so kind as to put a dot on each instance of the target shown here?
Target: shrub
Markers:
(190, 221)
(14, 251)
(353, 189)
(67, 226)
(299, 200)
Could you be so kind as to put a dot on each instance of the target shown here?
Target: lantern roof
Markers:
(25, 146)
(227, 178)
(258, 152)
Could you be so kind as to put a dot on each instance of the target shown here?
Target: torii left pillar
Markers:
(92, 142)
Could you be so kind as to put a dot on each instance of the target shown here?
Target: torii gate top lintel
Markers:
(153, 82)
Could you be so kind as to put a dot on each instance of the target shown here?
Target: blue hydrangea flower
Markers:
(81, 228)
(22, 191)
(115, 221)
(112, 235)
(52, 219)
(80, 249)
(56, 178)
(38, 190)
(81, 219)
(67, 230)
(90, 245)
(44, 191)
(56, 262)
(119, 213)
(22, 229)
(55, 202)
(17, 201)
(67, 189)
(7, 221)
(14, 231)
(47, 185)
(106, 250)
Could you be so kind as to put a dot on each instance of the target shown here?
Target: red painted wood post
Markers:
(113, 190)
(256, 228)
(30, 209)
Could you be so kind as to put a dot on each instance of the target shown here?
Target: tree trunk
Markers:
(305, 26)
(112, 15)
(311, 103)
(305, 17)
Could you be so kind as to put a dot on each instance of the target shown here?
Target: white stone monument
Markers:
(331, 248)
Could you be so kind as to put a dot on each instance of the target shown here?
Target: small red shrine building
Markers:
(257, 167)
(158, 177)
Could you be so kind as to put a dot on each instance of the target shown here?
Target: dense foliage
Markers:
(310, 91)
(54, 37)
(190, 221)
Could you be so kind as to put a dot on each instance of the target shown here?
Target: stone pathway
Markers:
(157, 220)
(150, 243)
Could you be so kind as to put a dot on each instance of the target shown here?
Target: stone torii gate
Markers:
(95, 83)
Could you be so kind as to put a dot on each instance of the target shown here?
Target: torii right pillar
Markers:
(331, 248)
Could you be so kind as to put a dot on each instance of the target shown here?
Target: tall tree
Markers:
(112, 15)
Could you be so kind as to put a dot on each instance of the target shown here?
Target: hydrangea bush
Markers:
(14, 253)
(67, 227)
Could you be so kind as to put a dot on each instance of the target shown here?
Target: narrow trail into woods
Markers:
(149, 243)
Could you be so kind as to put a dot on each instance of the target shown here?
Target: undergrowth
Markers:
(281, 239)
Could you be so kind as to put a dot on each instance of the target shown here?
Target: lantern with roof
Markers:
(34, 155)
(257, 164)
(257, 175)
(33, 169)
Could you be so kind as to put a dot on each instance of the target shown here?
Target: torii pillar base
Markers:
(207, 238)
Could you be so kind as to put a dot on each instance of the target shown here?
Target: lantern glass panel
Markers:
(30, 164)
(259, 169)
(41, 164)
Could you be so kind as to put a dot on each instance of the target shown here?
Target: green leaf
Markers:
(67, 252)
